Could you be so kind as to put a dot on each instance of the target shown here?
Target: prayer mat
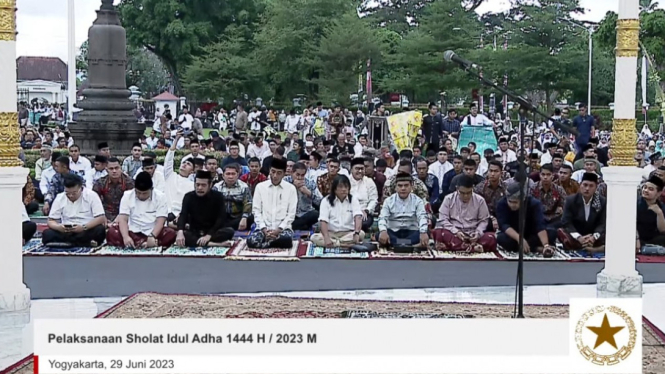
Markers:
(150, 305)
(483, 136)
(32, 244)
(196, 251)
(322, 252)
(585, 255)
(109, 250)
(651, 259)
(559, 255)
(461, 255)
(60, 251)
(386, 254)
(241, 252)
(242, 234)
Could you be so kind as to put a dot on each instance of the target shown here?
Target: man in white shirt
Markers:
(48, 174)
(80, 165)
(507, 155)
(546, 158)
(340, 218)
(194, 147)
(364, 190)
(258, 149)
(76, 217)
(99, 170)
(589, 167)
(476, 119)
(158, 182)
(151, 141)
(292, 121)
(274, 208)
(186, 120)
(440, 167)
(177, 183)
(143, 214)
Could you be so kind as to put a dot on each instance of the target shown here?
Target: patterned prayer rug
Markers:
(386, 254)
(322, 252)
(196, 251)
(60, 251)
(109, 250)
(241, 252)
(457, 255)
(151, 305)
(584, 255)
(650, 259)
(559, 255)
(32, 244)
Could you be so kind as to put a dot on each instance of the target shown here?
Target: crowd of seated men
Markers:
(460, 201)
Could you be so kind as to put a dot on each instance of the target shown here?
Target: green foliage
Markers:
(146, 71)
(179, 30)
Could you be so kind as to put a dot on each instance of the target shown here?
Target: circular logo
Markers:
(605, 335)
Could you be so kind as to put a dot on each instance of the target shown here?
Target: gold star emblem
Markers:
(605, 333)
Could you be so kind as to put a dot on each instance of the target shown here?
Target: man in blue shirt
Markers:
(584, 124)
(537, 238)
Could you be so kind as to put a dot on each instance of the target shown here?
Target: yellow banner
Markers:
(404, 128)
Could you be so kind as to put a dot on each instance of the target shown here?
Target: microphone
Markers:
(454, 57)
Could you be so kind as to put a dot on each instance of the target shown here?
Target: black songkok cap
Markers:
(657, 181)
(101, 159)
(591, 177)
(102, 145)
(358, 161)
(278, 163)
(148, 162)
(143, 181)
(203, 174)
(403, 177)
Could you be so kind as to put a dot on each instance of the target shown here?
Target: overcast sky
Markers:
(42, 24)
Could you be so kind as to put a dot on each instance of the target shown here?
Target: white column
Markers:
(619, 278)
(71, 58)
(14, 295)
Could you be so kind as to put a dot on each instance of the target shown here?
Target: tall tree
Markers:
(178, 30)
(82, 59)
(346, 42)
(418, 67)
(146, 71)
(226, 71)
(289, 37)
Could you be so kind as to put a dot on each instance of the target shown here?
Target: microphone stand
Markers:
(525, 108)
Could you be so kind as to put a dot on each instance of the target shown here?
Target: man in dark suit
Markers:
(432, 127)
(583, 221)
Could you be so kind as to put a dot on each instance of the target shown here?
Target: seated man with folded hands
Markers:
(142, 216)
(403, 217)
(340, 217)
(463, 220)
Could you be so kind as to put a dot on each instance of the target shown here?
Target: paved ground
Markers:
(73, 277)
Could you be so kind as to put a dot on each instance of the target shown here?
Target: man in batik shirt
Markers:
(419, 188)
(238, 198)
(430, 181)
(254, 176)
(550, 195)
(308, 196)
(324, 181)
(565, 180)
(492, 190)
(112, 187)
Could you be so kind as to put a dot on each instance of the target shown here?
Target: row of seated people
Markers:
(304, 190)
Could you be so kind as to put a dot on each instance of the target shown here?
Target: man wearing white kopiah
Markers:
(364, 190)
(274, 209)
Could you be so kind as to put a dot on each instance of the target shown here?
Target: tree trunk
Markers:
(170, 66)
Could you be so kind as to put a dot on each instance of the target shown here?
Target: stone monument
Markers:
(107, 114)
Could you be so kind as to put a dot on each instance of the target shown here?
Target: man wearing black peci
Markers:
(204, 211)
(432, 128)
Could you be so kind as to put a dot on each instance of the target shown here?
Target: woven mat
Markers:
(559, 255)
(184, 306)
(447, 255)
(60, 251)
(34, 243)
(242, 252)
(651, 259)
(387, 254)
(109, 250)
(322, 252)
(196, 251)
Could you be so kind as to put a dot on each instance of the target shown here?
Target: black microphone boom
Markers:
(451, 56)
(523, 103)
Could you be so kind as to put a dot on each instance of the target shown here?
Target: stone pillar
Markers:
(619, 278)
(14, 295)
